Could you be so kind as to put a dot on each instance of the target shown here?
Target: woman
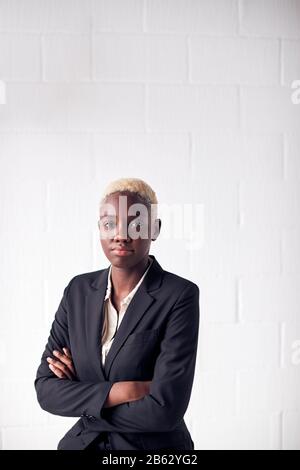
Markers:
(122, 348)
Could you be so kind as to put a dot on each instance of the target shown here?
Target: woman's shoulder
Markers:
(87, 279)
(179, 282)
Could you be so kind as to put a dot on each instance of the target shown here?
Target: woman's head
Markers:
(128, 220)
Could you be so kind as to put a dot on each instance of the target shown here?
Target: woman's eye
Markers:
(136, 224)
(109, 225)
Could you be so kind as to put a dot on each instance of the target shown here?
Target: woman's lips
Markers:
(121, 252)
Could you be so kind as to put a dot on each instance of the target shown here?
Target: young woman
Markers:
(122, 348)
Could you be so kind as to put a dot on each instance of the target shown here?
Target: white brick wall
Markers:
(270, 18)
(140, 57)
(232, 60)
(195, 97)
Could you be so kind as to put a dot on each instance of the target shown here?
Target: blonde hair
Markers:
(133, 185)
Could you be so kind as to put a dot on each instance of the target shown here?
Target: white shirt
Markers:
(112, 319)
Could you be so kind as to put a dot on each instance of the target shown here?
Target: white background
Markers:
(195, 98)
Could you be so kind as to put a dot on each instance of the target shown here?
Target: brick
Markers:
(207, 401)
(290, 61)
(66, 57)
(22, 205)
(230, 157)
(60, 248)
(50, 157)
(140, 57)
(140, 155)
(72, 211)
(237, 433)
(230, 346)
(37, 438)
(233, 60)
(44, 15)
(260, 391)
(292, 157)
(270, 390)
(106, 107)
(268, 110)
(217, 308)
(18, 262)
(35, 106)
(192, 108)
(17, 346)
(17, 395)
(290, 385)
(271, 18)
(117, 15)
(291, 430)
(270, 298)
(275, 204)
(251, 251)
(14, 308)
(276, 431)
(291, 250)
(220, 202)
(60, 106)
(290, 333)
(20, 57)
(214, 17)
(3, 351)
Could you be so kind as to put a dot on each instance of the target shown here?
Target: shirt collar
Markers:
(129, 296)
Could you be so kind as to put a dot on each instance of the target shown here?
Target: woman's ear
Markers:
(156, 229)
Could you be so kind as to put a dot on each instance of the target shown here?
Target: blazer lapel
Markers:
(138, 306)
(94, 315)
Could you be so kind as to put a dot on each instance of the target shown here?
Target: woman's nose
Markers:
(121, 232)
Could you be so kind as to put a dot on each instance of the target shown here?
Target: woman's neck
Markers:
(124, 280)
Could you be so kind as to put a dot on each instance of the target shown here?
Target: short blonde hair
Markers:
(136, 186)
(133, 185)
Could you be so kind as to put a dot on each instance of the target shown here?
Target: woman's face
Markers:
(126, 228)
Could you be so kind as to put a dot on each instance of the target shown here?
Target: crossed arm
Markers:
(154, 406)
(120, 392)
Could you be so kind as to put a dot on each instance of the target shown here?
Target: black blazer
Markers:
(157, 340)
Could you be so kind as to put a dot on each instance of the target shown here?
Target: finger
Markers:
(65, 360)
(63, 357)
(61, 366)
(57, 371)
(67, 352)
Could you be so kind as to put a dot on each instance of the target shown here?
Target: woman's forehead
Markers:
(117, 197)
(123, 203)
(131, 211)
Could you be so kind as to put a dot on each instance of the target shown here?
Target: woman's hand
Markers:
(62, 366)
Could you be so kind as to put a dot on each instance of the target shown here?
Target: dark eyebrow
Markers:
(107, 215)
(114, 217)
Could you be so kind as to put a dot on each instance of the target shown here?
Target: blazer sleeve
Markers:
(172, 381)
(66, 397)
